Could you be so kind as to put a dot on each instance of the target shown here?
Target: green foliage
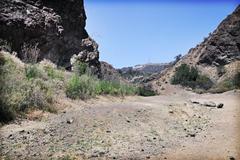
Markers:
(146, 92)
(223, 86)
(81, 87)
(32, 71)
(115, 88)
(20, 90)
(80, 68)
(85, 86)
(227, 85)
(54, 73)
(189, 76)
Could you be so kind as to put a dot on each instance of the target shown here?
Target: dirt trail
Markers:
(160, 127)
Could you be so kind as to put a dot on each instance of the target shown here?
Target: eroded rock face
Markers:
(223, 45)
(56, 28)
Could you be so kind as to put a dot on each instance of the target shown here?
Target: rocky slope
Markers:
(219, 51)
(55, 30)
(143, 73)
(109, 73)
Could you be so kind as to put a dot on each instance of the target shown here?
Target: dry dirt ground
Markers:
(161, 127)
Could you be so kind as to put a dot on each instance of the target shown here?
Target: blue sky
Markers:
(131, 32)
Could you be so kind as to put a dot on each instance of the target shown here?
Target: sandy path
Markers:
(160, 127)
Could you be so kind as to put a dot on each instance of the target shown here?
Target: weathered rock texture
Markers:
(56, 29)
(223, 45)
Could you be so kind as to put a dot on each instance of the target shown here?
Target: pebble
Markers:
(220, 105)
(70, 121)
(231, 158)
(171, 111)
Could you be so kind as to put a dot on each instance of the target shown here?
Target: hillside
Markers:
(217, 57)
(142, 73)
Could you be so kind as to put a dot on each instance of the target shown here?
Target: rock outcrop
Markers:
(49, 29)
(223, 45)
(109, 73)
(217, 57)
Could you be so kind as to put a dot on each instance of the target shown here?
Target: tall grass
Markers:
(85, 86)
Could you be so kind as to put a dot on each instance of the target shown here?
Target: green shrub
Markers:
(21, 90)
(82, 87)
(54, 73)
(189, 77)
(146, 92)
(80, 68)
(203, 82)
(223, 86)
(115, 88)
(85, 86)
(32, 71)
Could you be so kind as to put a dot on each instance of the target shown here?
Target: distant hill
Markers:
(142, 72)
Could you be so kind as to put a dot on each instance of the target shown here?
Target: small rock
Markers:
(231, 158)
(192, 134)
(195, 102)
(171, 111)
(22, 131)
(210, 104)
(128, 121)
(108, 131)
(220, 105)
(70, 121)
(148, 157)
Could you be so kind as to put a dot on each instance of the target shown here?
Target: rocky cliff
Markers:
(223, 45)
(51, 29)
(219, 52)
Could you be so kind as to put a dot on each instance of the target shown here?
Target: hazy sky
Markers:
(131, 32)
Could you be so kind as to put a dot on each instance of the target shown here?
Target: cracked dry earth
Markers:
(159, 127)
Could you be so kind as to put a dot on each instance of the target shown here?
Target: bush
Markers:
(20, 91)
(86, 86)
(115, 88)
(54, 73)
(31, 71)
(80, 68)
(82, 87)
(146, 92)
(189, 77)
(223, 86)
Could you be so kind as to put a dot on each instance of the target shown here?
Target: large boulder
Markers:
(50, 29)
